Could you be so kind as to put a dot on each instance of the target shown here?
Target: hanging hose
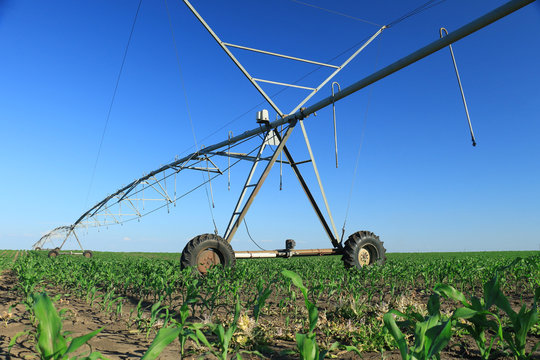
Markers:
(441, 30)
(173, 38)
(280, 160)
(250, 238)
(229, 163)
(334, 113)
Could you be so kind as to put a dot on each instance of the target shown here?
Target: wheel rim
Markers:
(206, 259)
(367, 255)
(87, 255)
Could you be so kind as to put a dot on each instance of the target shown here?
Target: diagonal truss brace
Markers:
(238, 216)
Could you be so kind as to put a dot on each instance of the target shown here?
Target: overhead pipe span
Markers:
(429, 49)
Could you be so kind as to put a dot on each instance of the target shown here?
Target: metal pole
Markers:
(460, 86)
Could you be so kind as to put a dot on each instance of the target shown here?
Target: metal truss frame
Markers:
(332, 233)
(132, 195)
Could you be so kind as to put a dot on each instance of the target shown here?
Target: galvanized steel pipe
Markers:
(435, 46)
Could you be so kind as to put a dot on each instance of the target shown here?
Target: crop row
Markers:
(329, 306)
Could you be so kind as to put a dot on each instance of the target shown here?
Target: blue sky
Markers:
(421, 186)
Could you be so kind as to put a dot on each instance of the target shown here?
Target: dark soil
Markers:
(120, 339)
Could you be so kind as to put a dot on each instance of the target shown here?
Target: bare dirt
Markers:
(121, 340)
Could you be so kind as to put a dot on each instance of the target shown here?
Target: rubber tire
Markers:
(87, 254)
(53, 253)
(204, 242)
(37, 249)
(363, 240)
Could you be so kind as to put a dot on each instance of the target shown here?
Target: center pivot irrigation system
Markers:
(158, 189)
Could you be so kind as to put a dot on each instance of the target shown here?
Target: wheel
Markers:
(206, 250)
(87, 254)
(37, 248)
(53, 253)
(363, 248)
(290, 244)
(57, 248)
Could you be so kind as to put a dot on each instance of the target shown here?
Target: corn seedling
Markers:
(431, 333)
(521, 323)
(307, 343)
(479, 318)
(263, 294)
(52, 343)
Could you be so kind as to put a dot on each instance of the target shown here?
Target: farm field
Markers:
(477, 305)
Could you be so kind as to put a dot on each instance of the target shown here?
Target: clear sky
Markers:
(420, 184)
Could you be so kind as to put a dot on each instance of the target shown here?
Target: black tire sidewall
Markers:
(358, 241)
(366, 243)
(204, 242)
(218, 246)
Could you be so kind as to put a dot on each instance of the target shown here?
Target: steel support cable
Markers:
(130, 186)
(465, 30)
(112, 102)
(279, 92)
(416, 11)
(210, 203)
(134, 184)
(100, 205)
(362, 134)
(225, 125)
(181, 196)
(419, 54)
(247, 230)
(337, 13)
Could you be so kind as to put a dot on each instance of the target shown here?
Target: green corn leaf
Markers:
(492, 291)
(163, 338)
(334, 346)
(96, 355)
(307, 347)
(465, 313)
(296, 280)
(478, 304)
(50, 340)
(200, 335)
(526, 322)
(440, 337)
(352, 349)
(219, 330)
(313, 314)
(434, 304)
(81, 340)
(451, 293)
(390, 324)
(420, 339)
(502, 303)
(15, 337)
